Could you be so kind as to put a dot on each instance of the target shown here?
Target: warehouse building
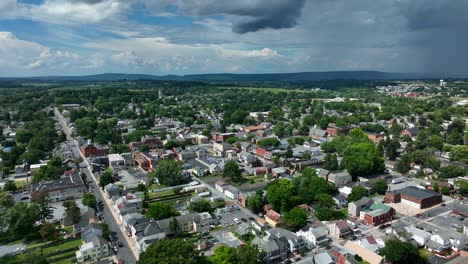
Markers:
(414, 197)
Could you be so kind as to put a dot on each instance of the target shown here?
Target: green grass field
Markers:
(60, 253)
(273, 90)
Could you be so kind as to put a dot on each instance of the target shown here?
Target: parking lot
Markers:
(226, 218)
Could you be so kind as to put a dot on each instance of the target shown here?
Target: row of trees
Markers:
(178, 251)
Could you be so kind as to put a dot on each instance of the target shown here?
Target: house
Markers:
(245, 229)
(376, 137)
(65, 188)
(273, 218)
(93, 251)
(439, 242)
(334, 130)
(364, 253)
(278, 172)
(317, 133)
(116, 162)
(186, 155)
(221, 185)
(411, 132)
(113, 190)
(231, 192)
(222, 136)
(339, 229)
(90, 150)
(296, 244)
(323, 258)
(369, 243)
(314, 236)
(243, 196)
(390, 165)
(378, 214)
(275, 249)
(340, 200)
(414, 197)
(145, 161)
(355, 208)
(420, 236)
(339, 178)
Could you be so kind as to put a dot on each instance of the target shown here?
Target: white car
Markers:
(236, 220)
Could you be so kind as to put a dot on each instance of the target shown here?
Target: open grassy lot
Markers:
(59, 252)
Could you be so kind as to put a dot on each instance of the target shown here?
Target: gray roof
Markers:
(323, 258)
(364, 200)
(417, 193)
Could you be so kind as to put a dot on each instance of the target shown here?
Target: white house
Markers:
(420, 236)
(340, 200)
(314, 236)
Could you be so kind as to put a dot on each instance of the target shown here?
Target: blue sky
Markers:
(79, 37)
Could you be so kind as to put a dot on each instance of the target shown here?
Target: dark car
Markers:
(382, 227)
(120, 244)
(443, 205)
(251, 218)
(243, 220)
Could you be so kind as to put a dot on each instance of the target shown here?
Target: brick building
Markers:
(90, 150)
(414, 197)
(376, 137)
(222, 136)
(333, 130)
(378, 214)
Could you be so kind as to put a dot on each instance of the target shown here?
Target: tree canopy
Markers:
(169, 173)
(171, 251)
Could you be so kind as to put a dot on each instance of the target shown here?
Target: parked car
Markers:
(120, 244)
(443, 205)
(382, 227)
(236, 220)
(243, 219)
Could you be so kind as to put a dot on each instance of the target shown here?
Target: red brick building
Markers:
(262, 152)
(333, 130)
(378, 214)
(145, 161)
(90, 150)
(376, 137)
(222, 136)
(414, 197)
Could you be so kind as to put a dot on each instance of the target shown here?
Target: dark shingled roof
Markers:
(417, 193)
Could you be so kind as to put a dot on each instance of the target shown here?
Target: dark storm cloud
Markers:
(249, 15)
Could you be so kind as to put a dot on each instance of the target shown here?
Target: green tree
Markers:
(231, 171)
(9, 186)
(325, 214)
(45, 208)
(380, 186)
(89, 200)
(224, 255)
(451, 171)
(391, 148)
(445, 190)
(404, 164)
(435, 187)
(399, 252)
(21, 218)
(362, 159)
(49, 232)
(200, 206)
(459, 153)
(269, 142)
(250, 254)
(357, 192)
(105, 231)
(175, 227)
(331, 162)
(462, 187)
(436, 142)
(161, 210)
(255, 203)
(325, 200)
(295, 219)
(280, 194)
(171, 251)
(105, 178)
(72, 211)
(169, 173)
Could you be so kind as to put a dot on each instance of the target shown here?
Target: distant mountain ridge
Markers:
(233, 77)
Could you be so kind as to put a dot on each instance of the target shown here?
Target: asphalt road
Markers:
(124, 253)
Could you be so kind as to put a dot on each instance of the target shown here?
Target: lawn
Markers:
(425, 254)
(161, 194)
(342, 213)
(56, 253)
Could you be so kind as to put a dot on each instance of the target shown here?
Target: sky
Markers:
(83, 37)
